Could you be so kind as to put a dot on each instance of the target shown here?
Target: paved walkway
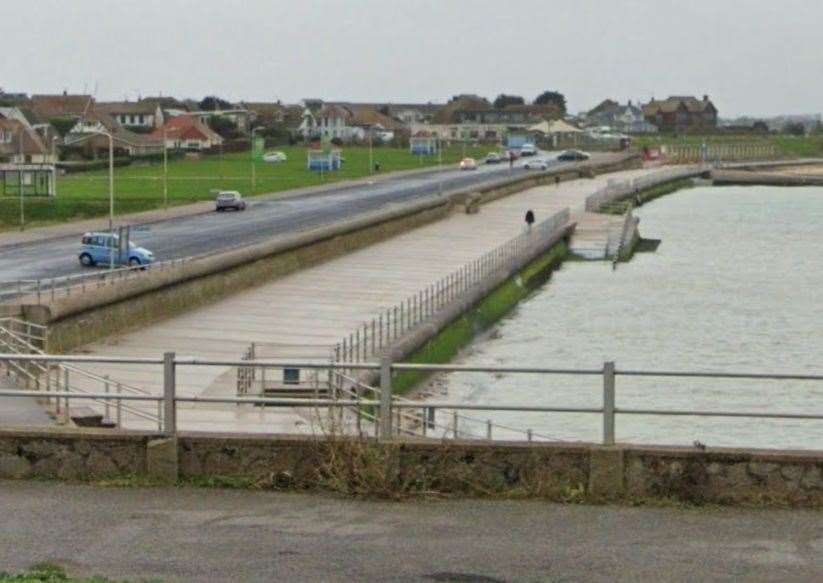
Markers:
(212, 535)
(20, 411)
(313, 309)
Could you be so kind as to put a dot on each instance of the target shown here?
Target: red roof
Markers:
(186, 127)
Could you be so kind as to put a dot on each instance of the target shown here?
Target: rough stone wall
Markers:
(726, 477)
(83, 455)
(540, 470)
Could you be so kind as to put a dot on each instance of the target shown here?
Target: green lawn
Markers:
(140, 187)
(48, 573)
(787, 146)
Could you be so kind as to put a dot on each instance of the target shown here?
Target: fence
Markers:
(373, 338)
(65, 286)
(49, 376)
(620, 189)
(692, 153)
(386, 408)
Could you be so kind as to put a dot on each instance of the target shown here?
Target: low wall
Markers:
(764, 178)
(572, 471)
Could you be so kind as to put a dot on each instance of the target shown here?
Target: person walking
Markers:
(529, 219)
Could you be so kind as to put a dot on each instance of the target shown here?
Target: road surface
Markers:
(204, 535)
(266, 217)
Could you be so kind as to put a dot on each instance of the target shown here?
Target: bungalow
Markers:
(92, 130)
(680, 113)
(133, 115)
(187, 132)
(628, 118)
(347, 122)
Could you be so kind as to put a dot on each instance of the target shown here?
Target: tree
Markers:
(224, 126)
(503, 100)
(62, 125)
(213, 103)
(552, 97)
(794, 128)
(760, 126)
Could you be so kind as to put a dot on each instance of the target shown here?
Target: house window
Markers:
(291, 376)
(140, 119)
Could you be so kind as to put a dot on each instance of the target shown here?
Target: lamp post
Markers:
(253, 173)
(54, 162)
(165, 171)
(21, 160)
(371, 152)
(108, 134)
(439, 166)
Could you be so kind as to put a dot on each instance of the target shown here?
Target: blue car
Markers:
(97, 249)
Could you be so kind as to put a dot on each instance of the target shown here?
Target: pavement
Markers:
(204, 535)
(54, 253)
(21, 411)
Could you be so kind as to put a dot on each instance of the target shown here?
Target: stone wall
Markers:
(84, 455)
(725, 476)
(579, 472)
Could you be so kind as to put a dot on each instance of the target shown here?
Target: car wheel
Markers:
(134, 262)
(86, 260)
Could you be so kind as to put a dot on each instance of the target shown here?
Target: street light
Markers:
(111, 183)
(165, 171)
(253, 173)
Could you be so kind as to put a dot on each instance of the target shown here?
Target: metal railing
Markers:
(49, 376)
(384, 409)
(372, 338)
(39, 290)
(620, 189)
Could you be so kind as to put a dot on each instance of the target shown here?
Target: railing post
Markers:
(385, 420)
(489, 429)
(66, 390)
(169, 394)
(608, 403)
(108, 402)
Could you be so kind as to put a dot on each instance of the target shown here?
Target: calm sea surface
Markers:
(736, 285)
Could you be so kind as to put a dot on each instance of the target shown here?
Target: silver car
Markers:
(230, 200)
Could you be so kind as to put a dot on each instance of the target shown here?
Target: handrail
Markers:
(404, 409)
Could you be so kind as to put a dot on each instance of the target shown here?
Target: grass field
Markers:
(787, 146)
(140, 187)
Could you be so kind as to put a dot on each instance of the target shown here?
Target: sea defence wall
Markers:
(764, 178)
(80, 317)
(560, 471)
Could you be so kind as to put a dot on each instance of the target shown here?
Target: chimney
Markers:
(65, 92)
(705, 98)
(630, 102)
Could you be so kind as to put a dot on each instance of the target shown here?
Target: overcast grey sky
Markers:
(758, 57)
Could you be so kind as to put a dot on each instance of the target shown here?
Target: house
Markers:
(20, 144)
(26, 164)
(469, 117)
(187, 132)
(347, 122)
(265, 113)
(628, 119)
(240, 116)
(91, 132)
(133, 115)
(681, 113)
(65, 106)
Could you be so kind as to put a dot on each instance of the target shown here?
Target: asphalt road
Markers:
(212, 535)
(265, 217)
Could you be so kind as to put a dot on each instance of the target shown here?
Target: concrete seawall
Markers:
(763, 178)
(561, 471)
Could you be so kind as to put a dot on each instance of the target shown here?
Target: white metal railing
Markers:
(372, 338)
(385, 409)
(50, 376)
(620, 189)
(39, 290)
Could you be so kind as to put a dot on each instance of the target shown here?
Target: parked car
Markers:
(98, 248)
(538, 164)
(528, 150)
(275, 157)
(468, 164)
(230, 200)
(573, 156)
(493, 158)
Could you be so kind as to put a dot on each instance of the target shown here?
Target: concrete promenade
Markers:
(308, 312)
(189, 534)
